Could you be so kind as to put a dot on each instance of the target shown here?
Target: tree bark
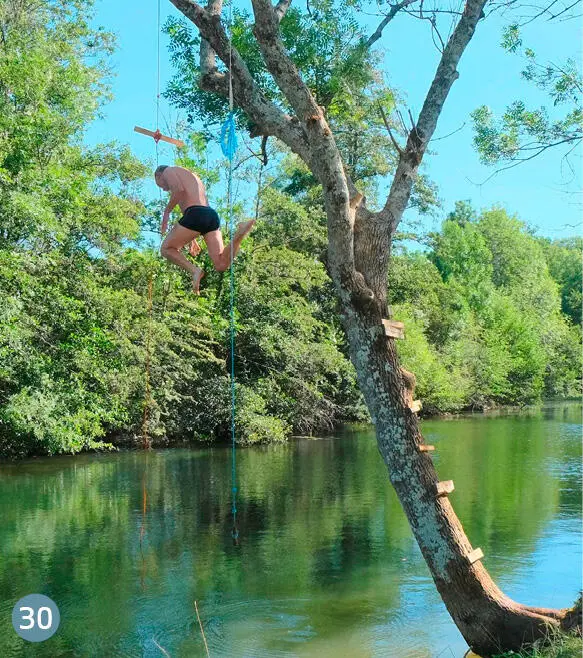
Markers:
(359, 248)
(490, 622)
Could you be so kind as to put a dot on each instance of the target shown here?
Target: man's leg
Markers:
(221, 255)
(176, 240)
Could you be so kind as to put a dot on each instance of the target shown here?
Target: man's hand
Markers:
(194, 249)
(165, 219)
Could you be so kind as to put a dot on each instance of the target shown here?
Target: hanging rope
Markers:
(158, 77)
(146, 443)
(228, 143)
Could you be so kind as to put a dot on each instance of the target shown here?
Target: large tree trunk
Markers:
(489, 621)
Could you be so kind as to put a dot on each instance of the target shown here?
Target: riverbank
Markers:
(562, 647)
(121, 443)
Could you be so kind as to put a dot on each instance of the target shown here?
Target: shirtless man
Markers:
(187, 190)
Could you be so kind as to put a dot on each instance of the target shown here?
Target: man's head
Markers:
(159, 178)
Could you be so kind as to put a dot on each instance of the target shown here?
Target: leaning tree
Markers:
(358, 258)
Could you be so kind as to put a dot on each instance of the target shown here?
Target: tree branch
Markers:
(388, 127)
(281, 8)
(539, 149)
(422, 132)
(219, 82)
(279, 64)
(265, 115)
(376, 35)
(342, 200)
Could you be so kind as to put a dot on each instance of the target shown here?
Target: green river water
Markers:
(326, 565)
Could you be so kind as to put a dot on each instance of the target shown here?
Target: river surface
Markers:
(325, 565)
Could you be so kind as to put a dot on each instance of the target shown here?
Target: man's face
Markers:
(160, 182)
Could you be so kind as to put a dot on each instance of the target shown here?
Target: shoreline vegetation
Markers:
(117, 445)
(101, 340)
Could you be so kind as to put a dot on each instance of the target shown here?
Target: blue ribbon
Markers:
(229, 137)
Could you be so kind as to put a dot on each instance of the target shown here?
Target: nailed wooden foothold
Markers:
(355, 201)
(158, 136)
(394, 329)
(415, 406)
(444, 488)
(475, 555)
(423, 447)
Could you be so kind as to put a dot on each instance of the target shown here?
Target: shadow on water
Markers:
(326, 564)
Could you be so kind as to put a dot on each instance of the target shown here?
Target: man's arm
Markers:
(174, 182)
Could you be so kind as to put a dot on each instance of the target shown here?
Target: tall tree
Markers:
(358, 256)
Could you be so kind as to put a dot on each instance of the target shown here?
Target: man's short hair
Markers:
(160, 169)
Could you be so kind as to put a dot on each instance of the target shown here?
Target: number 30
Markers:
(30, 617)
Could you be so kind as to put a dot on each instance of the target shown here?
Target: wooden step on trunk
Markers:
(394, 329)
(444, 488)
(475, 555)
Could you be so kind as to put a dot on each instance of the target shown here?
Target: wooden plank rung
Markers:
(159, 136)
(415, 406)
(475, 555)
(444, 488)
(394, 329)
(423, 447)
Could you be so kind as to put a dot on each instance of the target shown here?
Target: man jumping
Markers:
(187, 190)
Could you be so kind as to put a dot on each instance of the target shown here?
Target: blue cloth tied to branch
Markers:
(229, 137)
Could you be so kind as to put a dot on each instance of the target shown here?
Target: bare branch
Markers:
(453, 132)
(388, 127)
(564, 11)
(412, 120)
(540, 13)
(433, 21)
(403, 124)
(376, 35)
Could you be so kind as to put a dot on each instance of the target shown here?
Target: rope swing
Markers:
(228, 141)
(157, 134)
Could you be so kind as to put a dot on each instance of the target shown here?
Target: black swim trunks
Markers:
(201, 219)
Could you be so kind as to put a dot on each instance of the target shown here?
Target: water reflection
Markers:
(326, 565)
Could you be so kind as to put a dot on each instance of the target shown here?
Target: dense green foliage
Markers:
(60, 206)
(492, 312)
(484, 313)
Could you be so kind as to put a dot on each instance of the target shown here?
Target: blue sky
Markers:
(543, 192)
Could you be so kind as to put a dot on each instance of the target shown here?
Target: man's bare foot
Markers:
(196, 279)
(194, 249)
(243, 229)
